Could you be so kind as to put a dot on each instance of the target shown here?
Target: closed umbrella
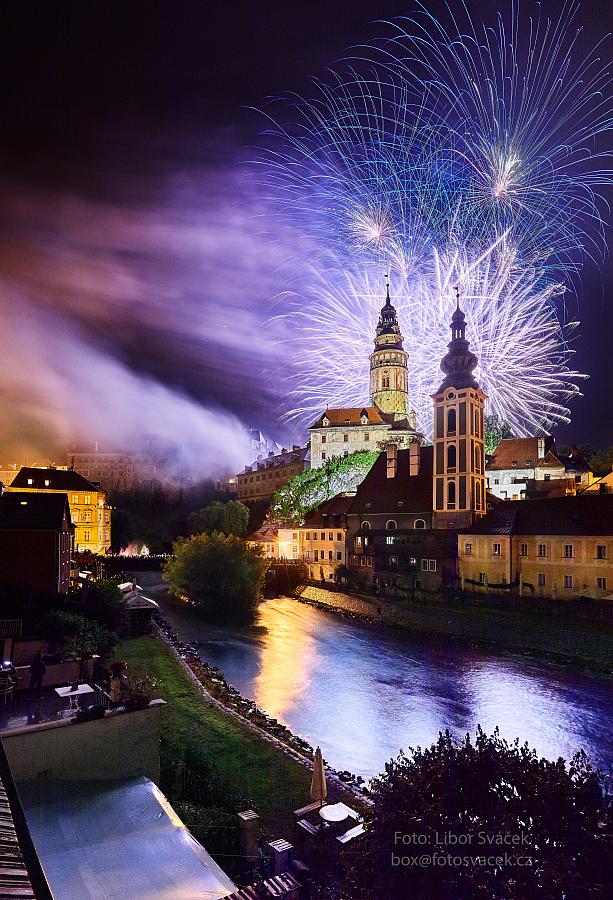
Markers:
(319, 789)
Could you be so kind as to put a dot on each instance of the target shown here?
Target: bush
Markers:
(104, 603)
(227, 518)
(485, 799)
(221, 573)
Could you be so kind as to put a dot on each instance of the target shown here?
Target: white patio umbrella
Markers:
(319, 788)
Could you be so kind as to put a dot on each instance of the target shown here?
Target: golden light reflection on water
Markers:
(289, 655)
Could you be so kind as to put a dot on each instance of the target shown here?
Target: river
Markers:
(362, 691)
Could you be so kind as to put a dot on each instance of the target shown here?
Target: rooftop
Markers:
(53, 480)
(25, 510)
(332, 512)
(351, 416)
(583, 515)
(383, 493)
(520, 453)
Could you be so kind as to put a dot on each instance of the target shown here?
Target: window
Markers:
(547, 477)
(87, 535)
(528, 462)
(496, 480)
(308, 535)
(568, 551)
(523, 549)
(391, 525)
(308, 554)
(339, 536)
(322, 536)
(367, 437)
(451, 457)
(468, 549)
(106, 536)
(294, 535)
(601, 584)
(419, 523)
(365, 526)
(30, 481)
(87, 499)
(496, 549)
(601, 551)
(542, 550)
(323, 438)
(393, 562)
(88, 515)
(317, 555)
(432, 565)
(345, 452)
(482, 578)
(330, 536)
(323, 455)
(451, 421)
(568, 581)
(424, 565)
(540, 578)
(345, 437)
(339, 555)
(75, 499)
(451, 495)
(385, 380)
(330, 555)
(47, 482)
(75, 515)
(514, 463)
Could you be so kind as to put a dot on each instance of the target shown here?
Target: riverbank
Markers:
(584, 645)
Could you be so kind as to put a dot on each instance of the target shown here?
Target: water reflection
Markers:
(362, 692)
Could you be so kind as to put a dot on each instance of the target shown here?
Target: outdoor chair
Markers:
(7, 686)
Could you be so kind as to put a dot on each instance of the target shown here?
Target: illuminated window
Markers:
(47, 482)
(87, 535)
(468, 549)
(496, 549)
(88, 499)
(30, 481)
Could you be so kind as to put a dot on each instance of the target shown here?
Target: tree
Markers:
(104, 603)
(496, 430)
(484, 799)
(221, 572)
(227, 518)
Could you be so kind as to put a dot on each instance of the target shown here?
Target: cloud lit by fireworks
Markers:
(448, 153)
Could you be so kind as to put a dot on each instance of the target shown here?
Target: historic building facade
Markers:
(559, 547)
(88, 508)
(532, 467)
(388, 419)
(263, 477)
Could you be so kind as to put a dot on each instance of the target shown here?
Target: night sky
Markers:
(134, 263)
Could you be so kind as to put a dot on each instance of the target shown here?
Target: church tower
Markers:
(459, 437)
(389, 379)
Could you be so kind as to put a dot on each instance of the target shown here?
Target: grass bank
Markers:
(242, 767)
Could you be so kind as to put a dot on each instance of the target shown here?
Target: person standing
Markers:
(37, 673)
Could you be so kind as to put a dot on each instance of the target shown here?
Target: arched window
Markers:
(478, 494)
(391, 525)
(451, 456)
(451, 425)
(451, 493)
(419, 523)
(385, 381)
(365, 526)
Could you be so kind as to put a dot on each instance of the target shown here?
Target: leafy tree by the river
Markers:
(227, 518)
(290, 504)
(485, 799)
(220, 572)
(496, 430)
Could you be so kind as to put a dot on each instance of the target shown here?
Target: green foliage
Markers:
(58, 624)
(291, 503)
(104, 603)
(496, 430)
(227, 518)
(76, 635)
(220, 572)
(493, 788)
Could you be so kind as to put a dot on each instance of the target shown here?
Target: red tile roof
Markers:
(521, 451)
(351, 416)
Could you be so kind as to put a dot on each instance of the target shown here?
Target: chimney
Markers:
(541, 448)
(392, 460)
(249, 823)
(414, 451)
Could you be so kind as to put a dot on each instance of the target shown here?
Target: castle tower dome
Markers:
(389, 379)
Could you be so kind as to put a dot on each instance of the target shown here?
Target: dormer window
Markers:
(514, 463)
(30, 481)
(47, 482)
(347, 421)
(326, 421)
(528, 462)
(364, 420)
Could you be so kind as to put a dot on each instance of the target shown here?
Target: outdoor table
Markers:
(73, 695)
(334, 812)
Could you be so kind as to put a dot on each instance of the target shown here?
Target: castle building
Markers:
(267, 474)
(459, 435)
(389, 418)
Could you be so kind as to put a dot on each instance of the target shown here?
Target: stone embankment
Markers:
(586, 646)
(217, 690)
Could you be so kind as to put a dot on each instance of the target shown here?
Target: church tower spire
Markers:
(459, 434)
(389, 379)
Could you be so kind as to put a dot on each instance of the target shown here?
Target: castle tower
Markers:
(389, 379)
(459, 447)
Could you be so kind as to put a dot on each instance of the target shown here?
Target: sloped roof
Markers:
(27, 509)
(351, 416)
(518, 450)
(585, 514)
(264, 534)
(59, 480)
(330, 513)
(279, 459)
(383, 493)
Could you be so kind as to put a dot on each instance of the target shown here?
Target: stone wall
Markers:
(586, 644)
